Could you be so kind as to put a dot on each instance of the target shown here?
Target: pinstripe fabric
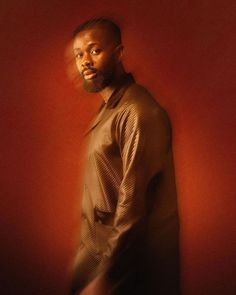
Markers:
(129, 208)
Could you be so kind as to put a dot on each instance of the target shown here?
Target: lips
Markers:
(89, 74)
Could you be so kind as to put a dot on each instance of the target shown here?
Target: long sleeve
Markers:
(129, 224)
(143, 137)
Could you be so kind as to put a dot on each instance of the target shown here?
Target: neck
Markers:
(107, 92)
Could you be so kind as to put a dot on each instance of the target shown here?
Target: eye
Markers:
(95, 51)
(79, 55)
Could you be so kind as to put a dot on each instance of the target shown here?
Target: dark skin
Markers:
(98, 60)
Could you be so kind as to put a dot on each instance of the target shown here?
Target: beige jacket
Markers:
(129, 193)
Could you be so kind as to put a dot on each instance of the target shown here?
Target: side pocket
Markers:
(103, 217)
(103, 233)
(104, 225)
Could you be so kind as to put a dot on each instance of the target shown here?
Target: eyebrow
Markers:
(89, 45)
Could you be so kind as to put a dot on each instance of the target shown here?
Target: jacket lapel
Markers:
(106, 109)
(97, 119)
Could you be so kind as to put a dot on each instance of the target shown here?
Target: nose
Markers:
(87, 61)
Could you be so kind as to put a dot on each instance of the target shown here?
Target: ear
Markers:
(119, 52)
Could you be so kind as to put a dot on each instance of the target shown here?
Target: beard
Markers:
(99, 82)
(102, 79)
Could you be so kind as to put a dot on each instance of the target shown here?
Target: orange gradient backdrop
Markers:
(183, 52)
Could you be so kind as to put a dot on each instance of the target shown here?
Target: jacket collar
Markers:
(112, 102)
(117, 94)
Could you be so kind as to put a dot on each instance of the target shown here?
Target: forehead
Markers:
(98, 34)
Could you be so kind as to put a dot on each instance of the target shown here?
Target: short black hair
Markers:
(110, 24)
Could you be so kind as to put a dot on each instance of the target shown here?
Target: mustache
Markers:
(92, 69)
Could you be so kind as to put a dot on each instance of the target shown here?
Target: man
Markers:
(129, 223)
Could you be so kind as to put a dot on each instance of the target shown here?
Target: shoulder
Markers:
(139, 95)
(138, 101)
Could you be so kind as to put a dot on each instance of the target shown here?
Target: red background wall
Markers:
(183, 52)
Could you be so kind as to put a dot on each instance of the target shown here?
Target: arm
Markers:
(143, 136)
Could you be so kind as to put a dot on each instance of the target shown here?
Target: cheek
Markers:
(105, 63)
(99, 62)
(78, 66)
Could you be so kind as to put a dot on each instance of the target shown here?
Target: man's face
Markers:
(96, 57)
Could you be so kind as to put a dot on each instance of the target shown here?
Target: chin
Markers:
(95, 85)
(92, 87)
(101, 81)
